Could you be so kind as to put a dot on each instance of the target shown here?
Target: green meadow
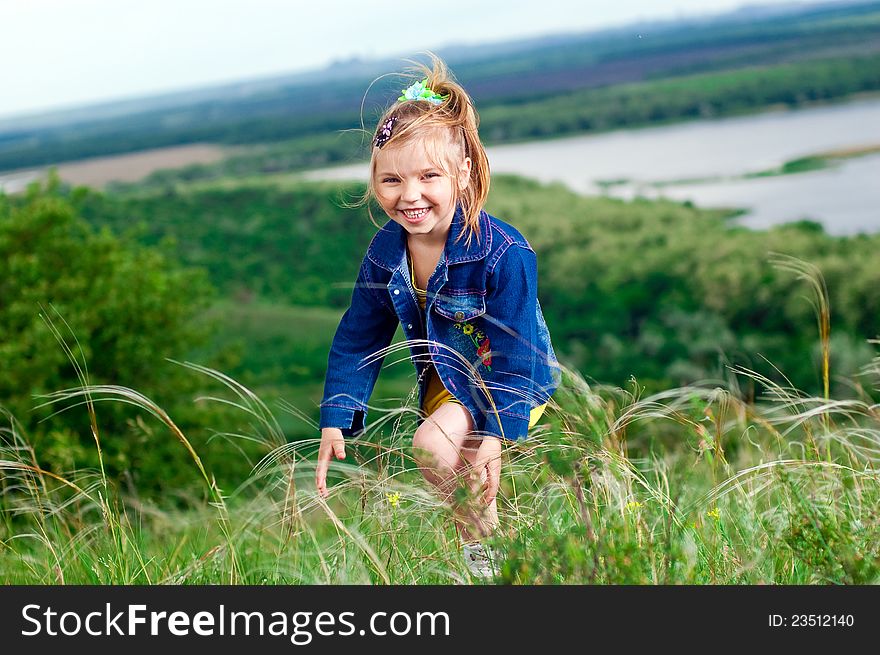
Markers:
(163, 344)
(164, 354)
(686, 486)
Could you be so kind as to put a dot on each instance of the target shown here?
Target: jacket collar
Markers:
(388, 247)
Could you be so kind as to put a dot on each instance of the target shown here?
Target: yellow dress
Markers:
(436, 394)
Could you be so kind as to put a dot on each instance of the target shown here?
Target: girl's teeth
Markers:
(415, 214)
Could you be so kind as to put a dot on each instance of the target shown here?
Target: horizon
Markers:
(87, 77)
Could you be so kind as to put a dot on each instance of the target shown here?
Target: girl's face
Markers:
(414, 191)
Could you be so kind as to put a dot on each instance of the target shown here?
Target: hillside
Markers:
(310, 110)
(662, 291)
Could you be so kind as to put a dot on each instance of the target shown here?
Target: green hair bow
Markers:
(418, 91)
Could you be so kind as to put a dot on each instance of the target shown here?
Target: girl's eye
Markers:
(391, 180)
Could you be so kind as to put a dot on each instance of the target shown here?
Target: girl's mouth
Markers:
(415, 215)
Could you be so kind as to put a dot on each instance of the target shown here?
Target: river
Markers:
(658, 161)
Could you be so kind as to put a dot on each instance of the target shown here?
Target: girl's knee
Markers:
(434, 450)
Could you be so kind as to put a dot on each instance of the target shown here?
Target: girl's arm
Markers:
(511, 307)
(366, 327)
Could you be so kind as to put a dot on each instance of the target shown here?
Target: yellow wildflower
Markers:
(393, 498)
(633, 506)
(714, 513)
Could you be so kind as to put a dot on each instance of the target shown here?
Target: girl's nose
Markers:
(411, 192)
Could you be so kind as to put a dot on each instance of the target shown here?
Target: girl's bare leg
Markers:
(489, 518)
(445, 452)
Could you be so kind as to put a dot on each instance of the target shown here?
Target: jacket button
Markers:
(459, 315)
(397, 292)
(409, 326)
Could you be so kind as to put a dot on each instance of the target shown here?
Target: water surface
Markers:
(845, 198)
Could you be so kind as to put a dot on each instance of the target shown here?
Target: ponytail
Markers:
(452, 127)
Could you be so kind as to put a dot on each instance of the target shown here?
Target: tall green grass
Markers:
(690, 485)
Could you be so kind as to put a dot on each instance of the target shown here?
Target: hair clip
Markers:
(418, 91)
(384, 132)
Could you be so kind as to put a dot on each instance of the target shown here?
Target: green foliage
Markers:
(657, 291)
(803, 165)
(778, 512)
(121, 308)
(295, 244)
(695, 96)
(564, 84)
(672, 294)
(275, 343)
(611, 107)
(291, 154)
(662, 291)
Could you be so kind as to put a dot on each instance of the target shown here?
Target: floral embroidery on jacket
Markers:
(480, 340)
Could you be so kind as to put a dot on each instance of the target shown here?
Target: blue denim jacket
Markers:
(482, 328)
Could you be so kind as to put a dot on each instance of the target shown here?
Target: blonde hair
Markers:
(449, 131)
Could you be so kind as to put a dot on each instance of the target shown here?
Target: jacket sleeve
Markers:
(367, 326)
(511, 308)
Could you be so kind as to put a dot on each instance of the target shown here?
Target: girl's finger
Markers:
(493, 479)
(339, 449)
(321, 479)
(321, 473)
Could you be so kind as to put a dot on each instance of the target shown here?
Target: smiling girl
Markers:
(463, 285)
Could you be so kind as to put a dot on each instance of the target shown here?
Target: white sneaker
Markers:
(479, 560)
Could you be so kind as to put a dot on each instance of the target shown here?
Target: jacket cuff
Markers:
(513, 428)
(347, 419)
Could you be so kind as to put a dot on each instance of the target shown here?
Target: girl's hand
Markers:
(332, 443)
(488, 467)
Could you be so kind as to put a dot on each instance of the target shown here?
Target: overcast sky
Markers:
(62, 53)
